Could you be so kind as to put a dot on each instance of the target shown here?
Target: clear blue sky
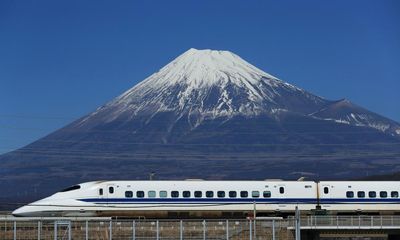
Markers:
(62, 59)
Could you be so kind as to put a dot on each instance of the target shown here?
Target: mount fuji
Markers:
(209, 114)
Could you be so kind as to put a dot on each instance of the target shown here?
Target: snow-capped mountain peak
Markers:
(206, 84)
(210, 84)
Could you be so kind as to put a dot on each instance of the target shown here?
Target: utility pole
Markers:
(255, 217)
(297, 223)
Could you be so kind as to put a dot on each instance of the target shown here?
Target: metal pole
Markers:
(204, 229)
(297, 229)
(133, 230)
(110, 230)
(39, 229)
(55, 230)
(337, 221)
(69, 231)
(86, 230)
(15, 230)
(251, 229)
(227, 229)
(255, 216)
(158, 230)
(273, 229)
(181, 230)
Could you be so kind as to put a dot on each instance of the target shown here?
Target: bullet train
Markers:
(200, 198)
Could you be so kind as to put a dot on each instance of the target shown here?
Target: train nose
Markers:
(25, 211)
(19, 212)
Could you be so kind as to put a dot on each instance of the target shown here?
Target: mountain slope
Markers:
(344, 111)
(209, 84)
(208, 114)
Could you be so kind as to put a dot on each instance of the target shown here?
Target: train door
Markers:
(281, 192)
(110, 191)
(324, 193)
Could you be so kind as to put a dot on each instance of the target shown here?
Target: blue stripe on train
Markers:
(241, 201)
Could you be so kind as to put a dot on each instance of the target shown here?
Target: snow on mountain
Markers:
(343, 111)
(210, 84)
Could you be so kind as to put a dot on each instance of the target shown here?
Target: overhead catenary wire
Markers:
(114, 155)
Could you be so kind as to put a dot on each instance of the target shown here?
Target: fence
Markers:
(347, 222)
(107, 229)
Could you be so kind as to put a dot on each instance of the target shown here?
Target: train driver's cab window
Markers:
(175, 194)
(349, 194)
(101, 192)
(372, 194)
(281, 190)
(111, 190)
(394, 194)
(221, 194)
(267, 194)
(186, 194)
(326, 190)
(128, 194)
(140, 194)
(151, 194)
(361, 194)
(76, 187)
(198, 194)
(163, 194)
(232, 194)
(244, 194)
(383, 194)
(209, 194)
(255, 194)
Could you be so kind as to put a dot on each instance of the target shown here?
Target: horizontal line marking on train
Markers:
(240, 201)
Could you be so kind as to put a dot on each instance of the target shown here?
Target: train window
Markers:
(372, 194)
(244, 194)
(111, 189)
(221, 194)
(163, 194)
(394, 194)
(383, 194)
(209, 194)
(326, 190)
(281, 190)
(186, 194)
(349, 194)
(151, 194)
(174, 194)
(100, 191)
(267, 194)
(198, 194)
(361, 194)
(140, 194)
(76, 187)
(255, 194)
(232, 194)
(128, 194)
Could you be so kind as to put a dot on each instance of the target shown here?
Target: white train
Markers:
(199, 198)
